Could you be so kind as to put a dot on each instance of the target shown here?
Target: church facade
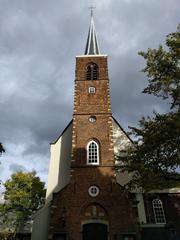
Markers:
(85, 195)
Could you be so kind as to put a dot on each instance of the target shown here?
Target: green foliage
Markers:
(2, 150)
(24, 191)
(163, 70)
(155, 160)
(24, 194)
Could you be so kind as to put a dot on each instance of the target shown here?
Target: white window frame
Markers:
(92, 90)
(97, 147)
(158, 211)
(93, 191)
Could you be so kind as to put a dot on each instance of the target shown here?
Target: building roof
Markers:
(92, 46)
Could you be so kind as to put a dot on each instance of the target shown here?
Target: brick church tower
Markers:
(85, 199)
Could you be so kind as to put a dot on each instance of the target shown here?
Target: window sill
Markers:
(93, 164)
(152, 225)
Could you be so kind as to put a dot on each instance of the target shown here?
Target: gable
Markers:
(121, 144)
(120, 138)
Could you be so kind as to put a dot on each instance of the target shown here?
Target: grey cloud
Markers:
(16, 167)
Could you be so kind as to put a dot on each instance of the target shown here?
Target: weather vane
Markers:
(92, 9)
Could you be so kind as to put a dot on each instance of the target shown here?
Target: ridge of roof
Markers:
(122, 129)
(62, 133)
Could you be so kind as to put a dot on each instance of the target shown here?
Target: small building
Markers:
(85, 197)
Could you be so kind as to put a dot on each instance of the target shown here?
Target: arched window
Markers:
(93, 153)
(92, 71)
(158, 211)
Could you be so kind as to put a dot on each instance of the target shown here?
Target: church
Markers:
(85, 197)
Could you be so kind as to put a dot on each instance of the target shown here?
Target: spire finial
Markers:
(92, 47)
(92, 9)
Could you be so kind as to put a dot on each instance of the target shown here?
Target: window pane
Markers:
(158, 211)
(92, 153)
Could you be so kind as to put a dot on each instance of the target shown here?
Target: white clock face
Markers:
(92, 119)
(93, 191)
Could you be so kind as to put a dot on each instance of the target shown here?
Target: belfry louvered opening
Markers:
(92, 72)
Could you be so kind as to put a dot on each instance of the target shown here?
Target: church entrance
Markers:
(95, 231)
(59, 237)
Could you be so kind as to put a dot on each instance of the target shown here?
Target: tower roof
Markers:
(92, 47)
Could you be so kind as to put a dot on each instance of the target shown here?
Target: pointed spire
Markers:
(92, 47)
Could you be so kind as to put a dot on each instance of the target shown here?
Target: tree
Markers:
(24, 194)
(155, 159)
(2, 150)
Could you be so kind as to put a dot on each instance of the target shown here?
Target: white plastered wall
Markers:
(122, 144)
(59, 177)
(40, 228)
(59, 166)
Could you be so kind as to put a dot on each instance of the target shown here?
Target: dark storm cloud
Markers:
(39, 40)
(135, 26)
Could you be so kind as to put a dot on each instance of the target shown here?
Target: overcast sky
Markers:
(39, 40)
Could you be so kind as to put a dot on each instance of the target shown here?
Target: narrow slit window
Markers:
(158, 211)
(92, 72)
(93, 153)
